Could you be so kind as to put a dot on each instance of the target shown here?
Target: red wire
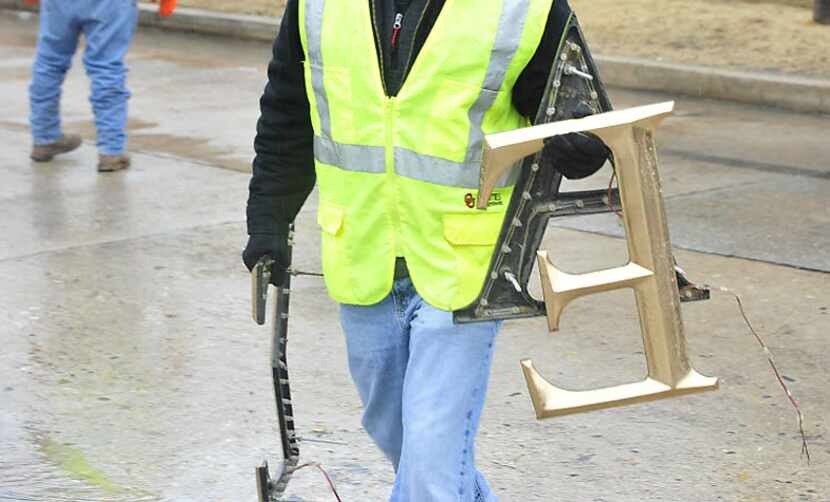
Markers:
(326, 474)
(610, 202)
(805, 451)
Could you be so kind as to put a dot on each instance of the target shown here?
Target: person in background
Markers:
(107, 28)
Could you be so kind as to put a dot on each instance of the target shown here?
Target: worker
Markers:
(385, 103)
(107, 29)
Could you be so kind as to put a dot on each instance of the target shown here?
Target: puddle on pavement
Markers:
(188, 59)
(185, 147)
(72, 461)
(190, 148)
(36, 467)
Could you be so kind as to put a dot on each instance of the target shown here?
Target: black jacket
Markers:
(283, 169)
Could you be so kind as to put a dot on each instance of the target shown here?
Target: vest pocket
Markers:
(330, 219)
(472, 229)
(333, 248)
(471, 238)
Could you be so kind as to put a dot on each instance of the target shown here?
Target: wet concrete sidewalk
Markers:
(130, 368)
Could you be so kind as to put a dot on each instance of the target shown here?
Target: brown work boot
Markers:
(109, 163)
(45, 153)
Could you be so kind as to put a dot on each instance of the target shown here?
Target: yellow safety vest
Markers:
(398, 176)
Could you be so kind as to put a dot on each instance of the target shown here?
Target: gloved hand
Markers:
(576, 155)
(273, 245)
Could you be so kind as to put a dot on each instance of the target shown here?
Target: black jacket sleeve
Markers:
(283, 169)
(527, 93)
(575, 156)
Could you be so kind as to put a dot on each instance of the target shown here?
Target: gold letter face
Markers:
(630, 136)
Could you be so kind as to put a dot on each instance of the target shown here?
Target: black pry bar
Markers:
(269, 488)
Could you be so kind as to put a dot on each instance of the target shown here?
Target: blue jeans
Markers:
(422, 380)
(108, 27)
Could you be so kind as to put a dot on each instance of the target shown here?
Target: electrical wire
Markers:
(805, 450)
(610, 202)
(326, 474)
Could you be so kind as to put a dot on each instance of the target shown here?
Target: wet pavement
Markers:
(130, 369)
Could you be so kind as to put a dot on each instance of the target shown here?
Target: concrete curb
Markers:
(794, 93)
(789, 92)
(210, 23)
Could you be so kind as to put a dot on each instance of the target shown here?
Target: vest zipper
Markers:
(378, 46)
(412, 45)
(394, 60)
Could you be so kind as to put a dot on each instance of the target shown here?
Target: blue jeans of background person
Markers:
(422, 380)
(107, 27)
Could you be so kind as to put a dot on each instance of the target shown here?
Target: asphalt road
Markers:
(130, 368)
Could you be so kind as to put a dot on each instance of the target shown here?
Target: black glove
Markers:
(273, 245)
(576, 155)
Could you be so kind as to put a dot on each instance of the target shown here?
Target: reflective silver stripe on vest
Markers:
(408, 163)
(466, 174)
(508, 37)
(356, 158)
(444, 172)
(314, 36)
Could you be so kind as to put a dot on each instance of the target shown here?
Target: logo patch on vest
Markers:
(495, 200)
(470, 201)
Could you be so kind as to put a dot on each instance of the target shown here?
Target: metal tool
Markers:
(260, 279)
(271, 485)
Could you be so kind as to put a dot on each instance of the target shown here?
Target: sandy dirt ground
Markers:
(776, 36)
(764, 36)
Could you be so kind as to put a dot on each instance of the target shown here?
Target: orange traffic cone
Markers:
(166, 7)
